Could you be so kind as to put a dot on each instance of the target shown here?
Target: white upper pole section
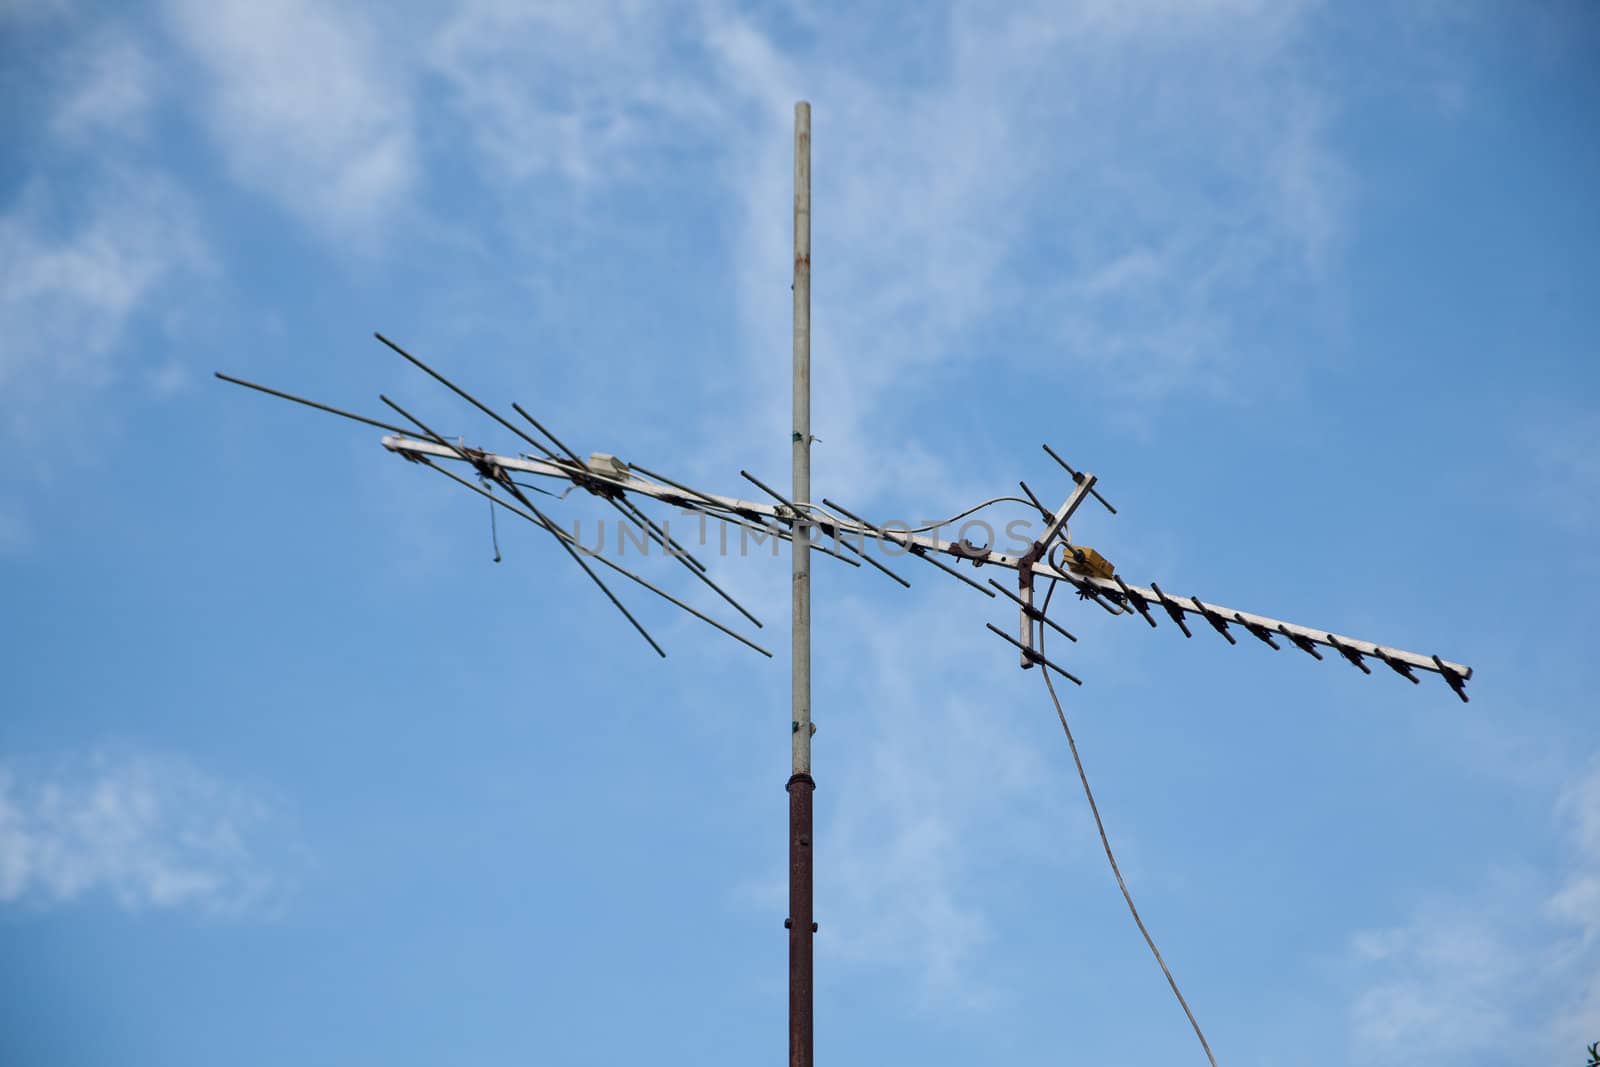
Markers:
(800, 646)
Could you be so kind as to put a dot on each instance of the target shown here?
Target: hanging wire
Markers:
(819, 510)
(1105, 842)
(494, 533)
(969, 511)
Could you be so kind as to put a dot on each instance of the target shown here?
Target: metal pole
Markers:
(800, 782)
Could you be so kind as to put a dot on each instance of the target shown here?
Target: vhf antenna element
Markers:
(1052, 559)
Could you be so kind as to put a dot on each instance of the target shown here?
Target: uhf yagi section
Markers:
(1052, 558)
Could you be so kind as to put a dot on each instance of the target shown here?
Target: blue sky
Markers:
(290, 771)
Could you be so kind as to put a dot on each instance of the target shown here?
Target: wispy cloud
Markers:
(93, 244)
(77, 275)
(1139, 165)
(1097, 184)
(1506, 974)
(111, 87)
(305, 107)
(573, 90)
(147, 831)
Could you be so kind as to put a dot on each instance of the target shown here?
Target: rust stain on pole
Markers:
(800, 922)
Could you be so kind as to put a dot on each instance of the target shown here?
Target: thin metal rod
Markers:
(861, 553)
(721, 512)
(1078, 477)
(1302, 643)
(463, 394)
(1046, 512)
(1349, 653)
(1218, 623)
(558, 442)
(794, 511)
(800, 782)
(1058, 521)
(624, 507)
(313, 404)
(543, 520)
(1136, 600)
(829, 525)
(1399, 668)
(669, 546)
(1172, 609)
(798, 522)
(1452, 677)
(928, 557)
(461, 453)
(906, 542)
(721, 515)
(863, 523)
(567, 538)
(668, 541)
(1033, 656)
(718, 508)
(654, 532)
(1033, 612)
(540, 519)
(663, 479)
(1260, 633)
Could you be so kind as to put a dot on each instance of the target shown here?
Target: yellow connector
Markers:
(1084, 560)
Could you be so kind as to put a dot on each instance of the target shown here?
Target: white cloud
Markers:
(1580, 803)
(1176, 138)
(1577, 902)
(306, 107)
(75, 278)
(568, 89)
(112, 85)
(1444, 990)
(1508, 974)
(1099, 183)
(148, 831)
(91, 244)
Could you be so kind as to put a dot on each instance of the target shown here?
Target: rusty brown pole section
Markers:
(800, 786)
(800, 923)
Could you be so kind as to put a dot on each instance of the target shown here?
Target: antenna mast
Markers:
(1053, 557)
(801, 783)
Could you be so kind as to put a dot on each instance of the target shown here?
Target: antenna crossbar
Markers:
(1122, 595)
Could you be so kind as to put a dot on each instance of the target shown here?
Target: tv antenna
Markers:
(1053, 558)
